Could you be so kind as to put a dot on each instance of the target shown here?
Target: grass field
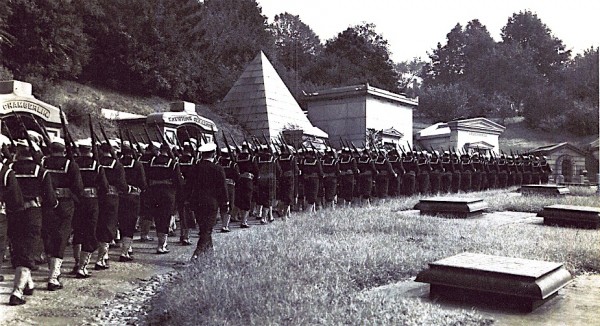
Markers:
(311, 270)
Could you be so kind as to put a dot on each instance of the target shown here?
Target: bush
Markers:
(5, 73)
(582, 119)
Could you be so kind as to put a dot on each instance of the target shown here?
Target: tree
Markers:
(408, 72)
(355, 56)
(48, 40)
(528, 31)
(581, 76)
(296, 44)
(235, 32)
(452, 62)
(444, 102)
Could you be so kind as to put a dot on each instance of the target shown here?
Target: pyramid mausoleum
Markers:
(261, 102)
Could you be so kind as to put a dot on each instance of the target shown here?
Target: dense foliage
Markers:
(529, 72)
(195, 50)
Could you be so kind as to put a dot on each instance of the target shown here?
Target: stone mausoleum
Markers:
(566, 160)
(474, 134)
(348, 112)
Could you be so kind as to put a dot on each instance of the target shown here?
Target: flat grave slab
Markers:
(519, 283)
(544, 190)
(457, 207)
(571, 215)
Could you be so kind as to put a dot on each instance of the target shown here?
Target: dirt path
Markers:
(109, 297)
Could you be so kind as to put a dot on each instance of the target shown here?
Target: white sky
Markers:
(414, 28)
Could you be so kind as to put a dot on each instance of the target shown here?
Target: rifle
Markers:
(45, 135)
(409, 148)
(93, 138)
(216, 141)
(355, 149)
(8, 134)
(29, 142)
(63, 124)
(231, 153)
(148, 135)
(133, 141)
(237, 148)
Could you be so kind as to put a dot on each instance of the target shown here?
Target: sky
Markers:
(413, 28)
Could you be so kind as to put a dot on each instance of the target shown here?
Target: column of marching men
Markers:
(99, 195)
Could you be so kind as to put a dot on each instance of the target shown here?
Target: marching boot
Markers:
(244, 223)
(76, 256)
(185, 237)
(269, 214)
(22, 276)
(54, 274)
(84, 260)
(162, 244)
(125, 245)
(225, 218)
(145, 230)
(101, 263)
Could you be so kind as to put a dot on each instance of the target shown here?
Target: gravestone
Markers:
(570, 215)
(544, 190)
(452, 206)
(501, 281)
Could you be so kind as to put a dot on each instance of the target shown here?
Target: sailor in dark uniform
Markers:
(477, 174)
(331, 171)
(385, 173)
(164, 178)
(24, 227)
(367, 171)
(289, 179)
(437, 170)
(466, 168)
(503, 171)
(56, 223)
(244, 189)
(311, 171)
(209, 192)
(423, 183)
(409, 162)
(146, 221)
(187, 166)
(536, 170)
(129, 202)
(85, 219)
(232, 175)
(108, 218)
(517, 170)
(456, 172)
(492, 172)
(527, 169)
(448, 169)
(348, 173)
(546, 170)
(395, 159)
(268, 173)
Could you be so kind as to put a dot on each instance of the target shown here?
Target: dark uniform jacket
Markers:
(208, 187)
(134, 174)
(66, 177)
(115, 175)
(11, 199)
(35, 183)
(92, 176)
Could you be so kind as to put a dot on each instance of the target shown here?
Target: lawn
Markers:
(311, 270)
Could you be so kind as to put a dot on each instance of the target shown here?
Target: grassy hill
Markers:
(79, 100)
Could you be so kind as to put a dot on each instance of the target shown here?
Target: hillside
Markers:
(79, 100)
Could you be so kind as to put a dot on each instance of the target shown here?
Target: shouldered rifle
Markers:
(29, 142)
(9, 135)
(112, 153)
(355, 149)
(93, 138)
(45, 136)
(137, 149)
(231, 153)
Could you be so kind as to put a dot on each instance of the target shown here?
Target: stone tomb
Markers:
(544, 190)
(570, 215)
(452, 206)
(499, 281)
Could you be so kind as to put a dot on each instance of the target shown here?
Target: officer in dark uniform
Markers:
(209, 192)
(129, 202)
(164, 178)
(56, 223)
(232, 175)
(244, 189)
(187, 166)
(331, 172)
(85, 219)
(24, 227)
(348, 173)
(108, 218)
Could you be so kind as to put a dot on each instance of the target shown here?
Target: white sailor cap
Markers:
(209, 147)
